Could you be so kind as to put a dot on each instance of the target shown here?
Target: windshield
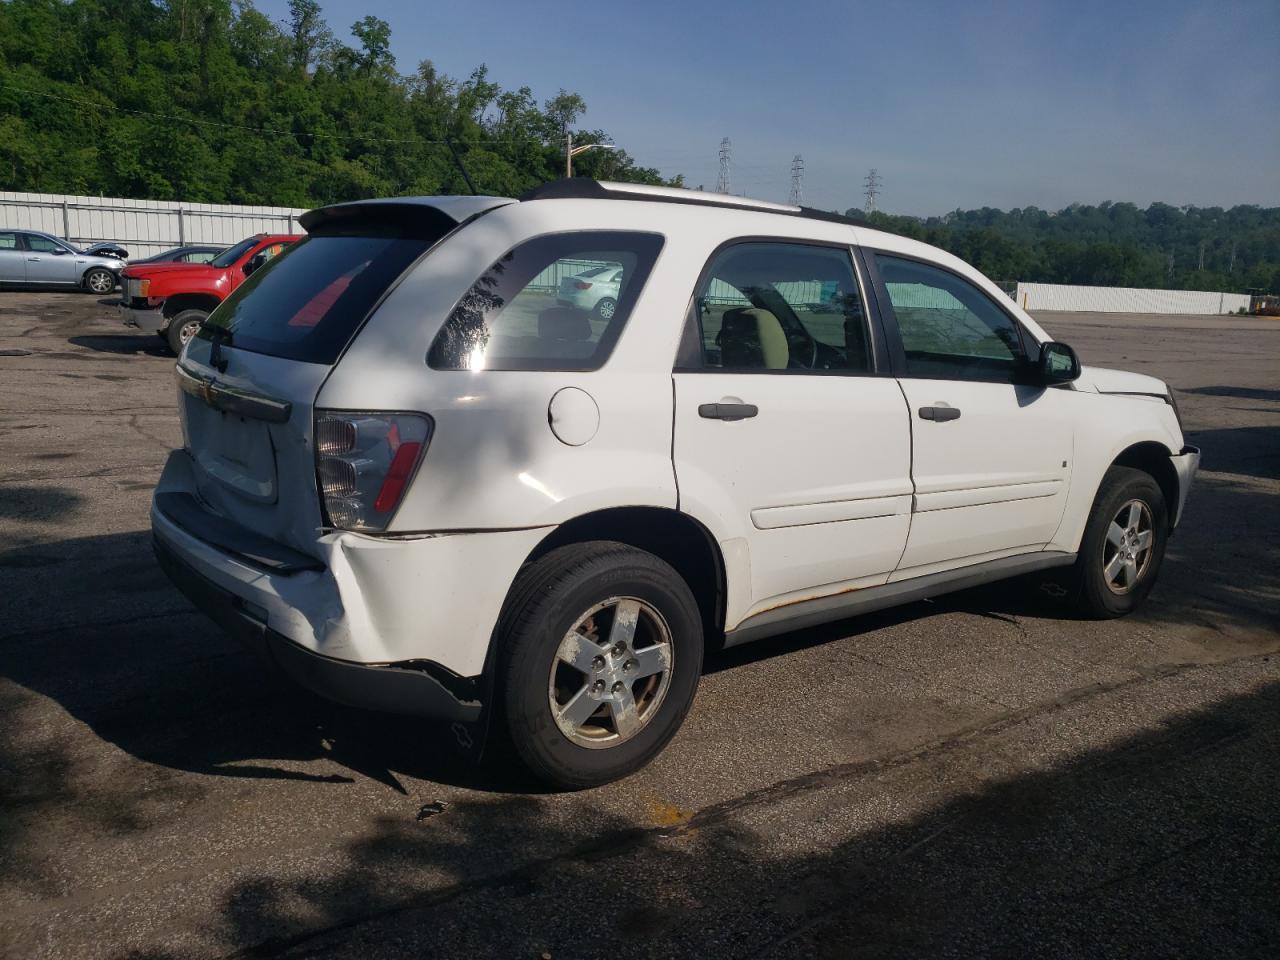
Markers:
(232, 254)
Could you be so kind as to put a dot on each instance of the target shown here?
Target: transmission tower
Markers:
(726, 158)
(797, 181)
(872, 190)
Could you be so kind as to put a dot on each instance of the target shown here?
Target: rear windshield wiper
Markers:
(218, 335)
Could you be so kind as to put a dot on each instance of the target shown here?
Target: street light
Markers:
(570, 151)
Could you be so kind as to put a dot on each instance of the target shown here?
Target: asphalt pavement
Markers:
(972, 776)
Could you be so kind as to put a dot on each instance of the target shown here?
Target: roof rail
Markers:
(583, 188)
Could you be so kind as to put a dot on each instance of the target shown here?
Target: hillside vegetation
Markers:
(212, 101)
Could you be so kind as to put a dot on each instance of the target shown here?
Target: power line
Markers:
(722, 182)
(872, 191)
(797, 181)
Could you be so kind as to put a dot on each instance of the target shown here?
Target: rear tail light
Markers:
(582, 284)
(364, 463)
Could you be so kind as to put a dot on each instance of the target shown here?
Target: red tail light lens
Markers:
(364, 464)
(402, 464)
(582, 284)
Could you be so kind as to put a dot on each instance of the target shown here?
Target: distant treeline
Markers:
(211, 101)
(1111, 245)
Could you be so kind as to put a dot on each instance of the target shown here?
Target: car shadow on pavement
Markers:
(124, 343)
(1160, 843)
(1243, 393)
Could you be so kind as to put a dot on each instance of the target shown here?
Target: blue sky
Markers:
(956, 104)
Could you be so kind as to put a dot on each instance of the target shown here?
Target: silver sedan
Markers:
(595, 290)
(31, 257)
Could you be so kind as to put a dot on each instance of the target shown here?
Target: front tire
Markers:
(99, 280)
(1122, 548)
(601, 655)
(183, 327)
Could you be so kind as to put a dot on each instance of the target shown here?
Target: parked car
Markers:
(108, 248)
(172, 299)
(192, 253)
(32, 257)
(417, 487)
(595, 290)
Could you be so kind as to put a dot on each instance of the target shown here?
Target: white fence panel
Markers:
(1053, 296)
(143, 226)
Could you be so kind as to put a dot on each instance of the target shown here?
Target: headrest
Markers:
(751, 337)
(564, 323)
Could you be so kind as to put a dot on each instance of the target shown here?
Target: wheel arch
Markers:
(668, 534)
(84, 276)
(189, 301)
(1152, 457)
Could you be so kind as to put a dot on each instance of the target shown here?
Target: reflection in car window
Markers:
(557, 302)
(8, 241)
(781, 306)
(950, 329)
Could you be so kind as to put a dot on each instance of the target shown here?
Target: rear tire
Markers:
(182, 327)
(605, 308)
(601, 655)
(1121, 551)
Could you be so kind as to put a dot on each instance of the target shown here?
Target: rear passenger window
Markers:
(950, 329)
(557, 302)
(780, 306)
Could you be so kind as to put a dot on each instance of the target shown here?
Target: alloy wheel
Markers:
(611, 673)
(1126, 551)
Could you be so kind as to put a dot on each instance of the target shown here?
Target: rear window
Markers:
(518, 317)
(310, 300)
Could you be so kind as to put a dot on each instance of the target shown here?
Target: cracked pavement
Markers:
(970, 776)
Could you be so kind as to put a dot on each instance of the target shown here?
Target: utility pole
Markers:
(570, 151)
(1201, 267)
(726, 158)
(797, 181)
(1231, 268)
(872, 182)
(1171, 266)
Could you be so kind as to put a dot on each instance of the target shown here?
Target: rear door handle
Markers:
(939, 414)
(727, 411)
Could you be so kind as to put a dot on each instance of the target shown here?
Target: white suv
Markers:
(421, 484)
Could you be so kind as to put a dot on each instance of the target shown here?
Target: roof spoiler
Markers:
(432, 213)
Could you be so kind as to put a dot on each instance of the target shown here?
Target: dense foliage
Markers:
(211, 101)
(1113, 244)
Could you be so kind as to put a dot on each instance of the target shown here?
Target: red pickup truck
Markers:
(172, 299)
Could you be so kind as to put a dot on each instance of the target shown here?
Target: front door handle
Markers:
(727, 411)
(939, 414)
(33, 259)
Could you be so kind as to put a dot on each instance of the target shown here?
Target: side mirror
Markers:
(256, 261)
(1058, 363)
(59, 251)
